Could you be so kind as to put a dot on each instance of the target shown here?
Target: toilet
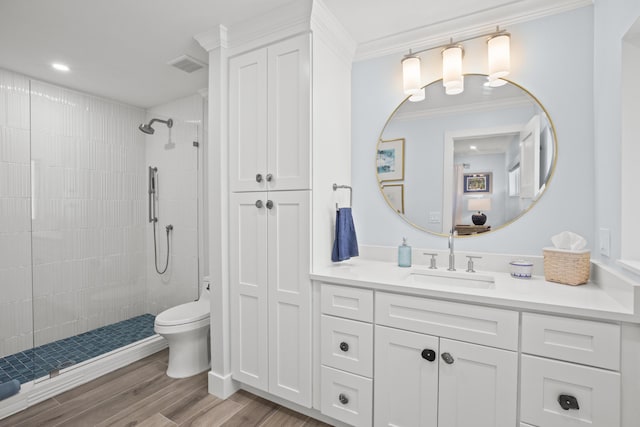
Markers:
(186, 328)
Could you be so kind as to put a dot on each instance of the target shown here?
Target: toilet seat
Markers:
(190, 312)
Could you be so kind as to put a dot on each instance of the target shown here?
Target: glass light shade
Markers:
(411, 75)
(455, 88)
(452, 78)
(499, 48)
(418, 96)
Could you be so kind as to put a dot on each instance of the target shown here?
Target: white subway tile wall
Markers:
(173, 153)
(89, 198)
(16, 327)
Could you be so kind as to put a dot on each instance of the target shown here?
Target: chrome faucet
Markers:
(452, 257)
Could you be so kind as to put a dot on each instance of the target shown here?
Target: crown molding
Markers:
(213, 39)
(473, 24)
(277, 24)
(326, 26)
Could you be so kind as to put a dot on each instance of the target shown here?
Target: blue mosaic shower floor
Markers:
(39, 361)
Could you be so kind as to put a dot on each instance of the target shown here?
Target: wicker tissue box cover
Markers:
(567, 267)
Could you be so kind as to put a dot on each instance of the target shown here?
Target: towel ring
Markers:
(336, 187)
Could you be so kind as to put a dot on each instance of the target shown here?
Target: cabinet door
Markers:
(248, 283)
(248, 121)
(478, 387)
(289, 112)
(290, 296)
(406, 383)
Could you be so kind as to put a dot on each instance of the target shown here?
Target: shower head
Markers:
(146, 128)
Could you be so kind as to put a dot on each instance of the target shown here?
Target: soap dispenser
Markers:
(404, 254)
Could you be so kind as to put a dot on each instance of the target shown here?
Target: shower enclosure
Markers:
(77, 274)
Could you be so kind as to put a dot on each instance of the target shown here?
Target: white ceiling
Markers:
(120, 48)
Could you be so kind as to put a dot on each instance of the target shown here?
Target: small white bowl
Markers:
(521, 269)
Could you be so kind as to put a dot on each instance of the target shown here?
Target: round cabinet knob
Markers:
(344, 346)
(343, 399)
(259, 204)
(447, 358)
(269, 177)
(429, 355)
(259, 177)
(269, 204)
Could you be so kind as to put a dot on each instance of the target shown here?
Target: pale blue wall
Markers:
(552, 57)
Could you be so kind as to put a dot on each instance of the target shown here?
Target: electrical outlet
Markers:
(605, 242)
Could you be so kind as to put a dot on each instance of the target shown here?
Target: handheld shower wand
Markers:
(153, 185)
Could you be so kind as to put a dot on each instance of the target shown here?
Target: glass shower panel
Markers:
(16, 326)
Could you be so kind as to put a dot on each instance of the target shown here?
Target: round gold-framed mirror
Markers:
(473, 162)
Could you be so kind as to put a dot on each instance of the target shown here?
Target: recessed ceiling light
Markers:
(60, 67)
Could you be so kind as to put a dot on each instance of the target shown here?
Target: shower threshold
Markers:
(49, 359)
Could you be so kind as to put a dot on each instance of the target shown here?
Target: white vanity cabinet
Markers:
(346, 354)
(420, 371)
(269, 117)
(570, 372)
(425, 376)
(271, 292)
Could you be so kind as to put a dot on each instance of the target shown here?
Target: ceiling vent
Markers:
(187, 63)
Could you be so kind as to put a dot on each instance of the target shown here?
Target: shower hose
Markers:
(155, 248)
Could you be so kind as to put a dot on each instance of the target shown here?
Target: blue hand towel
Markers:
(9, 388)
(346, 244)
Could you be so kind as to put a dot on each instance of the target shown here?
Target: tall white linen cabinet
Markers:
(280, 109)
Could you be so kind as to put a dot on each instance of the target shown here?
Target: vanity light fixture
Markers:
(452, 77)
(411, 75)
(499, 57)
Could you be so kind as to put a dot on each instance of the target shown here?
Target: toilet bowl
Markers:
(186, 328)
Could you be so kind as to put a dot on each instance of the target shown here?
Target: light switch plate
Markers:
(605, 242)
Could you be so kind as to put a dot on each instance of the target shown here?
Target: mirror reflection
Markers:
(477, 160)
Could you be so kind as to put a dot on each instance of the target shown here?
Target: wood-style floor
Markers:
(142, 395)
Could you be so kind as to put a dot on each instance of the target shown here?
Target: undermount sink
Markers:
(451, 278)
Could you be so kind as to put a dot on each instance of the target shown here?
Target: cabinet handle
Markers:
(269, 177)
(343, 399)
(568, 402)
(447, 358)
(429, 355)
(269, 204)
(259, 204)
(344, 346)
(259, 177)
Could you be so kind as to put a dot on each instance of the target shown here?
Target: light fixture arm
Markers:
(497, 32)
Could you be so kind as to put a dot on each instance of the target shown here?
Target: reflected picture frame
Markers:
(478, 182)
(394, 193)
(390, 160)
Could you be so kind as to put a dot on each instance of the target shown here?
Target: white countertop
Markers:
(589, 300)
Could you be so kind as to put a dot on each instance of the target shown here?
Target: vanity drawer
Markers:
(343, 301)
(573, 340)
(543, 381)
(346, 397)
(465, 322)
(347, 345)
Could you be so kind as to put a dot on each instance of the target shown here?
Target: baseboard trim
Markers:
(36, 391)
(221, 386)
